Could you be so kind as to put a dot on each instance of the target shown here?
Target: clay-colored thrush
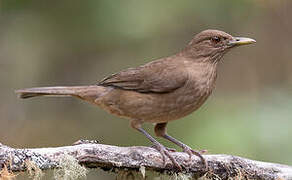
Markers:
(159, 91)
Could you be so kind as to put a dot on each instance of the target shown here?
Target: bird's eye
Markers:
(215, 39)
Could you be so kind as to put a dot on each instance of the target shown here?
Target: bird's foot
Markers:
(165, 152)
(192, 152)
(167, 148)
(170, 149)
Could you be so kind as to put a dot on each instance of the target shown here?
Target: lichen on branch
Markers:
(76, 158)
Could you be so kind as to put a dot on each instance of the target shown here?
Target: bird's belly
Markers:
(154, 108)
(177, 106)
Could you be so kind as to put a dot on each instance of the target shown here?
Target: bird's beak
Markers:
(238, 41)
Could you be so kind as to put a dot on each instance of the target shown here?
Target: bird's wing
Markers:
(155, 77)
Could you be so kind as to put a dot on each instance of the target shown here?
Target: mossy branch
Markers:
(106, 157)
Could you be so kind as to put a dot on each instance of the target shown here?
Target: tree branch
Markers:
(93, 155)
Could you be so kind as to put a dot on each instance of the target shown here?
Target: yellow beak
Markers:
(237, 41)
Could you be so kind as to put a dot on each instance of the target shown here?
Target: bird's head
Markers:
(213, 44)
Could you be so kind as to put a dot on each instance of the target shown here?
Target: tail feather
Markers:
(47, 91)
(87, 93)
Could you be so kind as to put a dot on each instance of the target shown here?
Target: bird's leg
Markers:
(160, 131)
(163, 151)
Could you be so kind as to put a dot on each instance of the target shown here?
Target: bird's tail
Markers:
(89, 93)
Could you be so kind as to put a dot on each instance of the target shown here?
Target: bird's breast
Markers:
(194, 93)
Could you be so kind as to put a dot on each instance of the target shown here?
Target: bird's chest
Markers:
(194, 93)
(202, 84)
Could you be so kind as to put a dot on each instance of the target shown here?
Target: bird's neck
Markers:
(203, 75)
(202, 56)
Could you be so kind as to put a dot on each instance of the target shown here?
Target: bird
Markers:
(160, 91)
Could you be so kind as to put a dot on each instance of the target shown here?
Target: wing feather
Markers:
(159, 76)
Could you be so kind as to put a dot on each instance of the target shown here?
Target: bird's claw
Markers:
(170, 149)
(192, 152)
(167, 148)
(165, 152)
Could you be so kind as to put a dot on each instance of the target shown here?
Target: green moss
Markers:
(69, 169)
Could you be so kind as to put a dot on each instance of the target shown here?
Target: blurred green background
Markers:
(47, 43)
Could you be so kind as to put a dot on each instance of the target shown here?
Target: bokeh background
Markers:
(46, 43)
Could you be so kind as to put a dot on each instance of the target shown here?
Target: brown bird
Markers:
(159, 91)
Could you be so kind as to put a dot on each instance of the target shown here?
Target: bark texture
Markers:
(93, 155)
